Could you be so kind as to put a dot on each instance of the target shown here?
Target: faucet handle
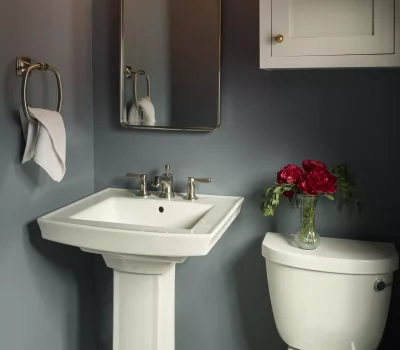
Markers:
(143, 183)
(136, 176)
(167, 170)
(206, 180)
(191, 195)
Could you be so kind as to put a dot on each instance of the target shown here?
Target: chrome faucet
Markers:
(143, 184)
(166, 182)
(191, 195)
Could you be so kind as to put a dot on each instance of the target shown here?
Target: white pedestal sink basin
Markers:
(142, 240)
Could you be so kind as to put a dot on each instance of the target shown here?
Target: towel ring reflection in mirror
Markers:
(134, 74)
(130, 73)
(24, 69)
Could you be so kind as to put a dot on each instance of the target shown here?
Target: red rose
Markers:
(313, 164)
(303, 186)
(317, 181)
(290, 174)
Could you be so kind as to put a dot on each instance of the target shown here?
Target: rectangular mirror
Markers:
(170, 64)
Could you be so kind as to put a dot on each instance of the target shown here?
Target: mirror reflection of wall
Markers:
(147, 47)
(177, 43)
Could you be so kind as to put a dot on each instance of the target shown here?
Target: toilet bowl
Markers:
(333, 298)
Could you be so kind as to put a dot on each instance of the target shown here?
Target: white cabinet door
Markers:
(333, 27)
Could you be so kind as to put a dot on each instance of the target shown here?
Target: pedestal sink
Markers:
(142, 240)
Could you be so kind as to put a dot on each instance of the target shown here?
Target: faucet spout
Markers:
(156, 182)
(166, 184)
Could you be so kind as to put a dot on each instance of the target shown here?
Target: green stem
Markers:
(308, 221)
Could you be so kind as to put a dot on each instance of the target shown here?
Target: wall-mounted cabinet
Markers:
(329, 33)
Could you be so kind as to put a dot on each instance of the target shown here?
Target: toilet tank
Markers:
(326, 298)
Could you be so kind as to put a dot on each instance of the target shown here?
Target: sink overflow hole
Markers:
(161, 209)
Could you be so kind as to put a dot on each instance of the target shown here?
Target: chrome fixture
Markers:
(381, 285)
(24, 68)
(143, 183)
(130, 73)
(166, 182)
(191, 195)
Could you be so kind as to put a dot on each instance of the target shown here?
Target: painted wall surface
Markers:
(269, 119)
(46, 289)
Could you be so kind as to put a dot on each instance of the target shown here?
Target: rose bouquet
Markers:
(307, 184)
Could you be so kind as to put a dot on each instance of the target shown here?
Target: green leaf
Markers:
(329, 197)
(347, 187)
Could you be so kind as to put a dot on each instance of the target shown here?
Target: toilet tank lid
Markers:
(333, 255)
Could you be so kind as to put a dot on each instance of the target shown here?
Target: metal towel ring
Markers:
(24, 67)
(135, 79)
(130, 73)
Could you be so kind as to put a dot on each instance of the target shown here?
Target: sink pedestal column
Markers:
(144, 311)
(144, 302)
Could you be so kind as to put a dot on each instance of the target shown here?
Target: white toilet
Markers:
(333, 298)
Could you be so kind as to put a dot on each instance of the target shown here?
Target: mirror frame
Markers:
(123, 78)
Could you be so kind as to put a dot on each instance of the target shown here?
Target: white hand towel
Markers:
(134, 116)
(148, 117)
(45, 141)
(149, 112)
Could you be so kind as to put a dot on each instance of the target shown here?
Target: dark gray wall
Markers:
(269, 119)
(46, 289)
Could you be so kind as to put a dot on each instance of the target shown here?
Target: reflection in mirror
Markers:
(170, 64)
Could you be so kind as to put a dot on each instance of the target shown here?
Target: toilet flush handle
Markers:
(381, 285)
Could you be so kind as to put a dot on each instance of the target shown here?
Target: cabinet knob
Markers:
(279, 38)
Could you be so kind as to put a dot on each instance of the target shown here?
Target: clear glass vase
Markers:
(307, 238)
